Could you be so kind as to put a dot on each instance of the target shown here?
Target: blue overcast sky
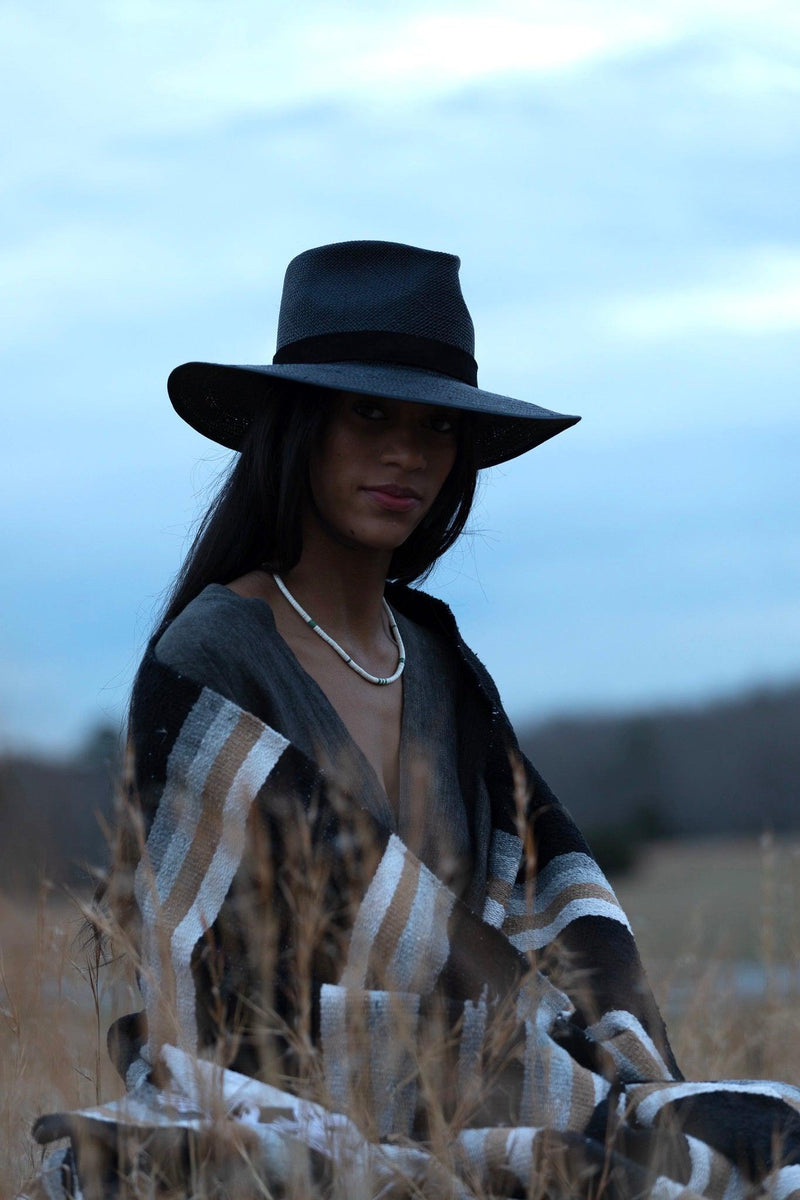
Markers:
(621, 183)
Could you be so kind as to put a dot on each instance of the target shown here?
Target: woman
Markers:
(365, 927)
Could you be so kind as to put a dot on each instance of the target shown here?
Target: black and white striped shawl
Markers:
(298, 956)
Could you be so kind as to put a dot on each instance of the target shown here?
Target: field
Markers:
(54, 1010)
(718, 927)
(718, 924)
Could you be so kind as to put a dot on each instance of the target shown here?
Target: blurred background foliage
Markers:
(727, 769)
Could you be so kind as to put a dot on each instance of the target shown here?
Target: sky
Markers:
(621, 185)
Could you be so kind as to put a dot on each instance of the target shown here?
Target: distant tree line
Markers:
(727, 768)
(56, 815)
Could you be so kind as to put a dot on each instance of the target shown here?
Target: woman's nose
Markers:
(406, 447)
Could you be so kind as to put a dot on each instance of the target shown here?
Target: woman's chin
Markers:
(379, 545)
(376, 536)
(390, 539)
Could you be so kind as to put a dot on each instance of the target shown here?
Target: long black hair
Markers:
(256, 517)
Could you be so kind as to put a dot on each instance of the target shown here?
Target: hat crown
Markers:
(368, 286)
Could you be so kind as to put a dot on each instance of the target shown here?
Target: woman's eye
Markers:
(442, 424)
(372, 412)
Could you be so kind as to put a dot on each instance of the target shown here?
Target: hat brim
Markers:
(220, 401)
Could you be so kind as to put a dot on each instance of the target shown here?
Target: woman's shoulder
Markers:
(436, 617)
(425, 610)
(219, 632)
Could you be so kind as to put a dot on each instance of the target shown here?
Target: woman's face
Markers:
(379, 467)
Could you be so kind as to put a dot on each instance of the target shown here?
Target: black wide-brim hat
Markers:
(378, 318)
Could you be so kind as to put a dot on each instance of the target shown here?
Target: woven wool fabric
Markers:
(318, 1002)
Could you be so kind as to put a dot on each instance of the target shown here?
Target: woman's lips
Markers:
(395, 500)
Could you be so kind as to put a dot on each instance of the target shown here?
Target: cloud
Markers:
(395, 56)
(83, 76)
(620, 183)
(760, 295)
(142, 67)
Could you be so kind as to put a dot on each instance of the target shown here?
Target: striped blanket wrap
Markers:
(325, 1017)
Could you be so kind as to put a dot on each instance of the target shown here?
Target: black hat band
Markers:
(403, 349)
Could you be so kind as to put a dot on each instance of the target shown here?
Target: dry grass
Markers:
(718, 926)
(698, 909)
(718, 898)
(55, 1008)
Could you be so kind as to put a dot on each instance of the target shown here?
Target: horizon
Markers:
(653, 709)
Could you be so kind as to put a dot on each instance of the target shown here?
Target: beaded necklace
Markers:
(398, 641)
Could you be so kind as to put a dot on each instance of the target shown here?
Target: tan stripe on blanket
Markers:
(417, 932)
(499, 890)
(394, 922)
(206, 841)
(540, 919)
(719, 1175)
(584, 1098)
(169, 1002)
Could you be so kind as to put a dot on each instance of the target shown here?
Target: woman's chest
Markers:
(374, 723)
(372, 714)
(396, 747)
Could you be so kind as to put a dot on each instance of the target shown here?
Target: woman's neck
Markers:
(341, 587)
